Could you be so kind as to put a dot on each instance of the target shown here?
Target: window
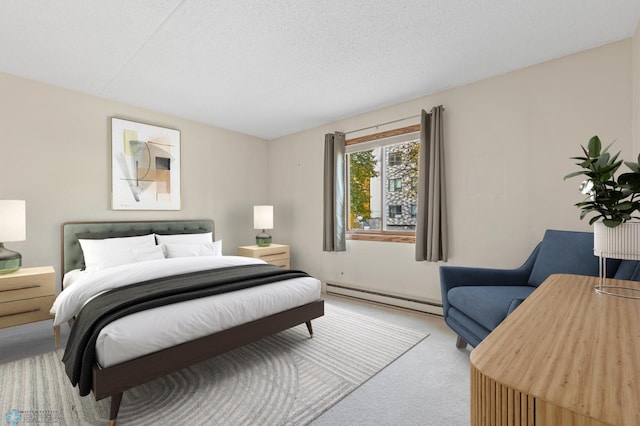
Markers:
(395, 211)
(382, 185)
(395, 158)
(395, 185)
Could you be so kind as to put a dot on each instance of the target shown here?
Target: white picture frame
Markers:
(145, 166)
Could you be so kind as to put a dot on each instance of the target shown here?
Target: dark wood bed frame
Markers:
(113, 381)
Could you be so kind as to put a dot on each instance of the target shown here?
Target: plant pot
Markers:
(621, 242)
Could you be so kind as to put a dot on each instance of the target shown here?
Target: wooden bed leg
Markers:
(460, 343)
(309, 328)
(115, 407)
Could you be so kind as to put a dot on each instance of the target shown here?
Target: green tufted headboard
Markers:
(72, 253)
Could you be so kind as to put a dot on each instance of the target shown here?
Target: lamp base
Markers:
(10, 261)
(263, 239)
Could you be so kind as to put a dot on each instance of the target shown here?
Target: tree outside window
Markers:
(363, 167)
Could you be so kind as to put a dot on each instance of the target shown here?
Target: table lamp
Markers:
(12, 228)
(263, 219)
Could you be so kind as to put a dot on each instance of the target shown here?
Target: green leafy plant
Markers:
(362, 166)
(613, 200)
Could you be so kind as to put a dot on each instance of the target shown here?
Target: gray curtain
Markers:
(334, 193)
(431, 227)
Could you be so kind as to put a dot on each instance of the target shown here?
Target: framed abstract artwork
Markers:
(145, 166)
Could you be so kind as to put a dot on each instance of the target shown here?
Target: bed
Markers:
(290, 301)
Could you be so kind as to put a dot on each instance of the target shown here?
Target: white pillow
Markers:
(100, 254)
(142, 254)
(202, 238)
(193, 250)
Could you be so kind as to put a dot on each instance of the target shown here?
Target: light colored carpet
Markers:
(286, 379)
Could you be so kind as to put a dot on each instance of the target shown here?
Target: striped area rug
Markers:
(286, 379)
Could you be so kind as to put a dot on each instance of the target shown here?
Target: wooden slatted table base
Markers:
(495, 404)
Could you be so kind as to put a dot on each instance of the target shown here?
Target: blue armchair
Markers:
(476, 300)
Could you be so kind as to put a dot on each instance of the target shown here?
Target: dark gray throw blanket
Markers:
(80, 353)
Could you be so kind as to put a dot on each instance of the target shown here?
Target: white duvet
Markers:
(155, 329)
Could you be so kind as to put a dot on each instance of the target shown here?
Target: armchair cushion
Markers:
(487, 305)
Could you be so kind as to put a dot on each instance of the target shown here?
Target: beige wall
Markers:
(508, 143)
(56, 155)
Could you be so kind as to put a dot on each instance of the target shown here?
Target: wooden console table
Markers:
(566, 356)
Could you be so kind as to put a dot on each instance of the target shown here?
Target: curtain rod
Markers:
(384, 124)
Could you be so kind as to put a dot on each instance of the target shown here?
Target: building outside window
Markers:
(372, 205)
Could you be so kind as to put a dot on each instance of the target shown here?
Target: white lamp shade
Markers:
(13, 221)
(263, 217)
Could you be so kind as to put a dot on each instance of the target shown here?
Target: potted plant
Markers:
(614, 200)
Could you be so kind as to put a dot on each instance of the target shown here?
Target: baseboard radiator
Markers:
(386, 299)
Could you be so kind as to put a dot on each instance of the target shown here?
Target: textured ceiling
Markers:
(272, 68)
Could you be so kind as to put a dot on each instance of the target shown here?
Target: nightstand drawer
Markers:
(283, 263)
(25, 311)
(17, 286)
(275, 254)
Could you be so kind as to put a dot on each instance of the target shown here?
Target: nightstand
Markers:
(26, 295)
(275, 254)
